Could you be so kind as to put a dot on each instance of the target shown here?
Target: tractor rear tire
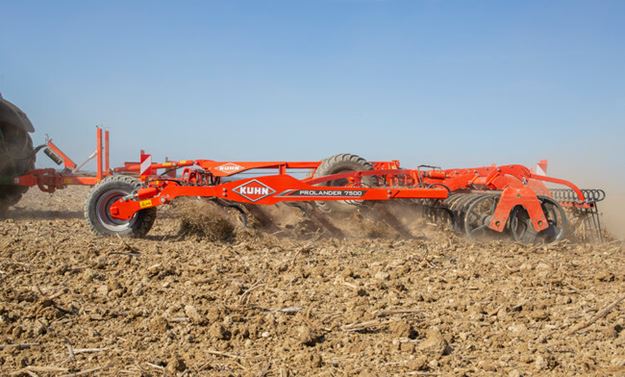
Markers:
(16, 158)
(100, 199)
(342, 163)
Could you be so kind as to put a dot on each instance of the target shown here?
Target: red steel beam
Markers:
(67, 162)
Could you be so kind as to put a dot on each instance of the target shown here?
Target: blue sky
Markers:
(454, 83)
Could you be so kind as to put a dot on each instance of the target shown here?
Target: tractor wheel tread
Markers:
(9, 194)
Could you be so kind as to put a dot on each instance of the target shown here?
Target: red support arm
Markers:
(67, 162)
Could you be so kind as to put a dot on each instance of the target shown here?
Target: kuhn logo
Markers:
(254, 190)
(229, 167)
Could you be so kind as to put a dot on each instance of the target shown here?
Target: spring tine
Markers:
(598, 221)
(587, 230)
(589, 221)
(595, 225)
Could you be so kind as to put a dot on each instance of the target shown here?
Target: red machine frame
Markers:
(511, 180)
(208, 178)
(50, 180)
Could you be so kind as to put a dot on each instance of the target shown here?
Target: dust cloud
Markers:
(613, 210)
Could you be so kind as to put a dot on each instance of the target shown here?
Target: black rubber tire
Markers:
(105, 193)
(16, 158)
(342, 163)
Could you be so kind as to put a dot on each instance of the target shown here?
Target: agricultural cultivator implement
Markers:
(507, 200)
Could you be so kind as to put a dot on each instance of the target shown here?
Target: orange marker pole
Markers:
(99, 153)
(107, 166)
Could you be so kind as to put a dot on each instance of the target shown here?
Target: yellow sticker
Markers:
(145, 203)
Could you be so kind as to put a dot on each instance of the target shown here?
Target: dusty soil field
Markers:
(72, 303)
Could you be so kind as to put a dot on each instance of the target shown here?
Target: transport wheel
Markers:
(342, 163)
(103, 195)
(16, 158)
